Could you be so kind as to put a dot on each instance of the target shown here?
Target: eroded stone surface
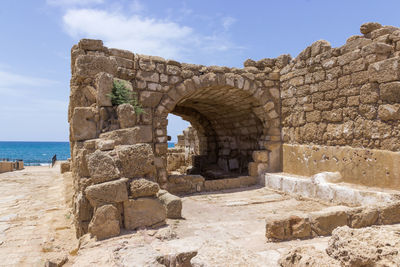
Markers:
(172, 203)
(143, 212)
(105, 222)
(143, 188)
(136, 160)
(374, 246)
(102, 167)
(108, 192)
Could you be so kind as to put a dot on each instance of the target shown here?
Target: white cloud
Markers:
(227, 22)
(9, 79)
(144, 35)
(73, 2)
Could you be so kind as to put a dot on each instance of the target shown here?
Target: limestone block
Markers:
(179, 184)
(376, 48)
(143, 188)
(105, 222)
(260, 156)
(148, 76)
(305, 188)
(221, 184)
(319, 47)
(390, 214)
(136, 160)
(256, 168)
(104, 85)
(126, 115)
(65, 167)
(363, 217)
(105, 145)
(273, 181)
(146, 64)
(102, 167)
(299, 227)
(281, 228)
(150, 99)
(121, 53)
(325, 221)
(384, 71)
(369, 27)
(305, 256)
(172, 203)
(90, 44)
(83, 126)
(344, 195)
(325, 192)
(109, 192)
(390, 92)
(389, 112)
(143, 212)
(161, 148)
(180, 258)
(274, 160)
(90, 65)
(289, 185)
(247, 181)
(130, 136)
(385, 30)
(90, 93)
(83, 211)
(277, 229)
(80, 163)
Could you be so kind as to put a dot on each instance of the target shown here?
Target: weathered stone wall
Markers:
(234, 111)
(345, 96)
(349, 97)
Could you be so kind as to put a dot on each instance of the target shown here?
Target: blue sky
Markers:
(37, 35)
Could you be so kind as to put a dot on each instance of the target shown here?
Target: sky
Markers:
(37, 35)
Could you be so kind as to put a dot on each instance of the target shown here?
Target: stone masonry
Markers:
(252, 119)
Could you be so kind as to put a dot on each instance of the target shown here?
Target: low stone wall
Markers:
(369, 167)
(317, 187)
(6, 166)
(9, 166)
(188, 184)
(322, 223)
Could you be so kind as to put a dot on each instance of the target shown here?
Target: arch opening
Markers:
(228, 130)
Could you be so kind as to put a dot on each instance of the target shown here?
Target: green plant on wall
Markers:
(122, 95)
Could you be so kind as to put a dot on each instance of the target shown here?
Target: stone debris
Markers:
(371, 246)
(324, 222)
(307, 256)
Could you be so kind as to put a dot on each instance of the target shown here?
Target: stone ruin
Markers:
(328, 109)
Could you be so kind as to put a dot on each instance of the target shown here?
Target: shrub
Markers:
(122, 95)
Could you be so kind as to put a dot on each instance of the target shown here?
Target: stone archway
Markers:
(235, 114)
(114, 148)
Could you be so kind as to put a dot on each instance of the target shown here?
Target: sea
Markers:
(37, 153)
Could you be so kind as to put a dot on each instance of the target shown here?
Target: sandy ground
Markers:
(226, 228)
(35, 221)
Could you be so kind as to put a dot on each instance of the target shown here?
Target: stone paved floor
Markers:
(226, 228)
(35, 223)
